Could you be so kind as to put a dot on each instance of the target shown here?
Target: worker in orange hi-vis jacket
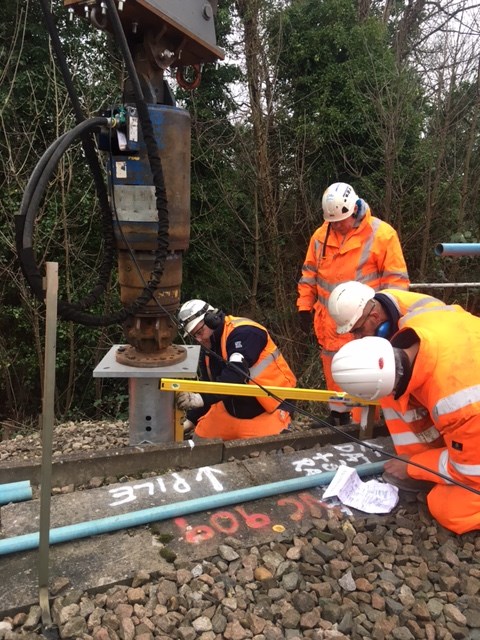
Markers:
(358, 310)
(234, 350)
(351, 244)
(435, 364)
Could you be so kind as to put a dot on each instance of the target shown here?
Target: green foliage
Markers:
(336, 74)
(32, 107)
(217, 265)
(114, 402)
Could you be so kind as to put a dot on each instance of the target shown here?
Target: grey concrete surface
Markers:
(96, 562)
(78, 468)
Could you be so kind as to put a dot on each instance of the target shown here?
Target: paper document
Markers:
(372, 496)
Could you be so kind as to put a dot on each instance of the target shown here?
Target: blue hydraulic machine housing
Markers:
(160, 34)
(144, 203)
(151, 139)
(150, 332)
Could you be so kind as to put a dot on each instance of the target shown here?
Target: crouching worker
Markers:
(234, 350)
(435, 365)
(357, 308)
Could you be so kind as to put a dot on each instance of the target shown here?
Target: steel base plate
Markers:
(170, 356)
(151, 413)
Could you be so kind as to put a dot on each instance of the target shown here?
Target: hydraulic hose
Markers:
(44, 169)
(33, 195)
(93, 162)
(48, 164)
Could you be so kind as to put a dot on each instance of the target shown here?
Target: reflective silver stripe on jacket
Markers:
(424, 301)
(409, 437)
(442, 464)
(330, 286)
(307, 279)
(399, 274)
(417, 312)
(328, 354)
(457, 400)
(466, 469)
(318, 247)
(463, 469)
(323, 300)
(412, 415)
(419, 304)
(365, 255)
(428, 434)
(412, 307)
(236, 321)
(259, 368)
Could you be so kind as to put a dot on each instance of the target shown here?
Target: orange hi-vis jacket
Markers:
(412, 431)
(370, 253)
(446, 381)
(410, 304)
(271, 368)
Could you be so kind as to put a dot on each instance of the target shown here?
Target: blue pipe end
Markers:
(15, 492)
(457, 249)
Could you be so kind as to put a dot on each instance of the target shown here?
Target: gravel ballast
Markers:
(399, 576)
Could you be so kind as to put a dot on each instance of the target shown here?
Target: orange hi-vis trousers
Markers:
(218, 423)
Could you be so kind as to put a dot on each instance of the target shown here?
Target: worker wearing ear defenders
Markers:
(432, 362)
(357, 310)
(245, 354)
(351, 244)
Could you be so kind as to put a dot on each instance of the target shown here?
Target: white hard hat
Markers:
(192, 313)
(365, 368)
(338, 202)
(347, 303)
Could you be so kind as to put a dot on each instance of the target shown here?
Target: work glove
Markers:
(305, 320)
(188, 427)
(188, 400)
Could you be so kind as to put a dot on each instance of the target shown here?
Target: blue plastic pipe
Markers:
(457, 249)
(15, 492)
(167, 511)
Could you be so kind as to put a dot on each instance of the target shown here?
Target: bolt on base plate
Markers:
(173, 354)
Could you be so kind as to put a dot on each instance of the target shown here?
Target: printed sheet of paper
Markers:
(372, 496)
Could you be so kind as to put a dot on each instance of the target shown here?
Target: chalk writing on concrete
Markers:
(166, 484)
(209, 473)
(330, 461)
(352, 452)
